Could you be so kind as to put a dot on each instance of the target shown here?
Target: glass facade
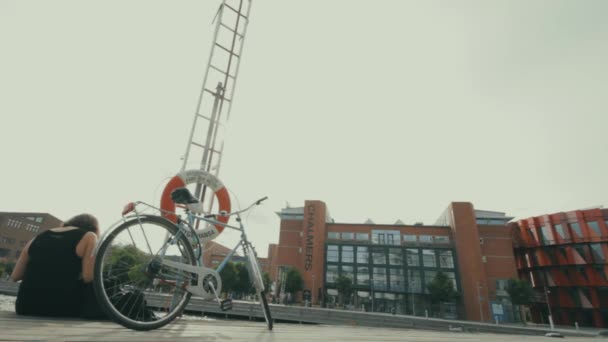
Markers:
(333, 253)
(387, 277)
(446, 260)
(412, 257)
(595, 227)
(563, 234)
(386, 237)
(428, 258)
(362, 255)
(576, 229)
(348, 254)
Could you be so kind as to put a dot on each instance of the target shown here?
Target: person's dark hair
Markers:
(87, 222)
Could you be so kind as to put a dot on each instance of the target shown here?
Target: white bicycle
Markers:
(147, 267)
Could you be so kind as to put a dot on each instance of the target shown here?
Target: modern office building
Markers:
(564, 256)
(391, 264)
(16, 229)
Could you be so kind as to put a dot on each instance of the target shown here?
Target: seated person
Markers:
(55, 268)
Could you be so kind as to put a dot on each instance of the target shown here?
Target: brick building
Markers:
(16, 229)
(391, 264)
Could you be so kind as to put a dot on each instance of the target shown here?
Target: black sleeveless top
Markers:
(52, 283)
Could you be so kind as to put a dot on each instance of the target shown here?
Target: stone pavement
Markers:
(16, 328)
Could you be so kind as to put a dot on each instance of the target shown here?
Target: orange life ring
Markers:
(190, 177)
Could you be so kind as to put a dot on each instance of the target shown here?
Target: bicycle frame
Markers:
(201, 271)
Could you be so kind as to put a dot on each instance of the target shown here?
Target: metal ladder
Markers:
(217, 93)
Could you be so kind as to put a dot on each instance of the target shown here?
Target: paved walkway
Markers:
(15, 328)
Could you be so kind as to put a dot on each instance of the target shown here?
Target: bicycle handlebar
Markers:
(224, 214)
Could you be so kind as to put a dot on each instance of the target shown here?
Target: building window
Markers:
(348, 236)
(428, 278)
(546, 235)
(598, 253)
(395, 256)
(442, 239)
(396, 279)
(594, 225)
(560, 231)
(386, 237)
(414, 281)
(412, 257)
(576, 228)
(379, 257)
(362, 236)
(363, 275)
(379, 278)
(348, 271)
(362, 255)
(332, 253)
(408, 238)
(428, 258)
(331, 274)
(446, 260)
(426, 238)
(452, 277)
(501, 287)
(348, 254)
(333, 235)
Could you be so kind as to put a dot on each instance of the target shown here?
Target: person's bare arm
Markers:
(85, 250)
(21, 264)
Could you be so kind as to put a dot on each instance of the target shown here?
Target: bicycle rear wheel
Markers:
(132, 284)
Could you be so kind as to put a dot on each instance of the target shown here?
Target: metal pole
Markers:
(312, 296)
(479, 300)
(549, 308)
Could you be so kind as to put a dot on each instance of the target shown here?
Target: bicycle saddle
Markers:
(183, 196)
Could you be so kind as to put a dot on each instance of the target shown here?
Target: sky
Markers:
(384, 110)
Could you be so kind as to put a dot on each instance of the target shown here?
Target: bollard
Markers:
(576, 325)
(496, 319)
(426, 313)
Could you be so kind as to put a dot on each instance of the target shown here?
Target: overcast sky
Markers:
(382, 109)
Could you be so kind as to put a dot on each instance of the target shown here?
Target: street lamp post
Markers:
(410, 285)
(549, 307)
(479, 298)
(312, 295)
(371, 286)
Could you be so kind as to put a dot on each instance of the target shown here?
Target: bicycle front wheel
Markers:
(132, 284)
(258, 284)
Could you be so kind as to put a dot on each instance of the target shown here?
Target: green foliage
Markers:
(126, 263)
(243, 284)
(267, 281)
(229, 275)
(441, 289)
(344, 286)
(520, 291)
(6, 268)
(293, 281)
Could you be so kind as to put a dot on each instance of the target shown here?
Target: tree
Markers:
(293, 281)
(267, 282)
(345, 287)
(521, 293)
(441, 290)
(6, 268)
(243, 284)
(123, 258)
(229, 275)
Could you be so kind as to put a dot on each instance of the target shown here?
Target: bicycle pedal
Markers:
(226, 305)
